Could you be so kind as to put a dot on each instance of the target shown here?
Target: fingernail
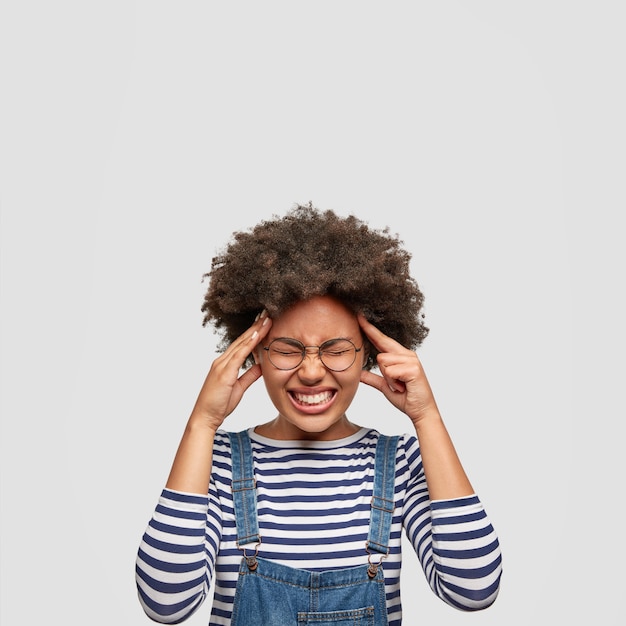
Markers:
(263, 313)
(256, 319)
(254, 334)
(265, 321)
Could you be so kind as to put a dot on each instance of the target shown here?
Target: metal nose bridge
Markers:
(312, 351)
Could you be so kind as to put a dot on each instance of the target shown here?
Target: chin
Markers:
(312, 426)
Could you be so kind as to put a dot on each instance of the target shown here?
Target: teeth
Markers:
(316, 398)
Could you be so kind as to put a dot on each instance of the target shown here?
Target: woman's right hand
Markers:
(223, 387)
(221, 392)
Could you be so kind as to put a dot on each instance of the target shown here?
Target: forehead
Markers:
(316, 320)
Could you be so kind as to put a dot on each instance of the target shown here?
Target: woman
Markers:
(299, 519)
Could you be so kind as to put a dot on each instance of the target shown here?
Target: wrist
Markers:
(202, 424)
(428, 418)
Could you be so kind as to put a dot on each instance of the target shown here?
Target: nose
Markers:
(311, 367)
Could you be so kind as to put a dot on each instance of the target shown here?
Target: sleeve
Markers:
(454, 540)
(176, 557)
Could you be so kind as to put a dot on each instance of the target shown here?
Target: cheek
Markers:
(272, 377)
(353, 381)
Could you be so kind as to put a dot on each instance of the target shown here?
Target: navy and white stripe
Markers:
(313, 505)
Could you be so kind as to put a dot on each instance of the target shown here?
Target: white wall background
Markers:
(136, 136)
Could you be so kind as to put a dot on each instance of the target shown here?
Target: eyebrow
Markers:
(298, 342)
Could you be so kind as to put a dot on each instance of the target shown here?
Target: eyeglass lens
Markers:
(336, 354)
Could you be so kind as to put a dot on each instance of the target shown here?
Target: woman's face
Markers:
(311, 399)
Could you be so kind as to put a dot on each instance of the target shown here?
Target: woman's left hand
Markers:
(403, 380)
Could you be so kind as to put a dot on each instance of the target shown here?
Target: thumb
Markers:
(371, 379)
(250, 376)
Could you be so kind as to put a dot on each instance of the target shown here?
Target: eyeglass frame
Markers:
(296, 343)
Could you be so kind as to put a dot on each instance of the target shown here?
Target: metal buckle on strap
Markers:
(251, 560)
(372, 568)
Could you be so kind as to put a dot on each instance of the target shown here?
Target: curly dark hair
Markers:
(306, 253)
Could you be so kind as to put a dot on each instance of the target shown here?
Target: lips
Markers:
(312, 399)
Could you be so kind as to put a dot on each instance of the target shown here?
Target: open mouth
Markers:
(312, 399)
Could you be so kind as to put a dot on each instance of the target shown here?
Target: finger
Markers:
(259, 328)
(395, 384)
(244, 345)
(382, 383)
(250, 376)
(263, 326)
(380, 341)
(372, 380)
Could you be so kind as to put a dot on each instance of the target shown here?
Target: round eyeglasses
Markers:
(337, 355)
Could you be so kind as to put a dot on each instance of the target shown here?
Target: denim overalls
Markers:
(271, 594)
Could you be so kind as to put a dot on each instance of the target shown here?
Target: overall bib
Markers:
(271, 594)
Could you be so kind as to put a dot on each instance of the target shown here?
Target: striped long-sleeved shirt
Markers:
(313, 507)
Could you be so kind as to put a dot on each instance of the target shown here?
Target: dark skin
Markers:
(402, 381)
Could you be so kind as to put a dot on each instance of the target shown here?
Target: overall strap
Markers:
(383, 499)
(244, 489)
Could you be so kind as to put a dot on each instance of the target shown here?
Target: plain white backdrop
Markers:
(136, 136)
